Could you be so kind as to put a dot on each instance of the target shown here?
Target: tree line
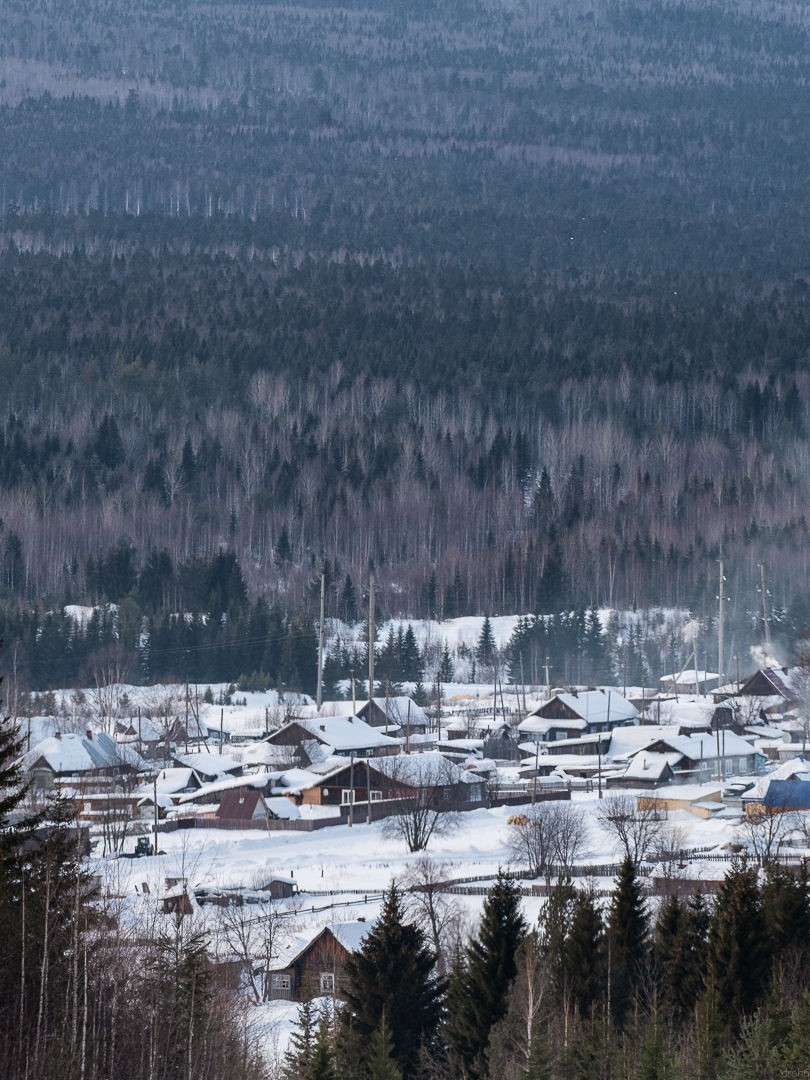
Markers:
(632, 988)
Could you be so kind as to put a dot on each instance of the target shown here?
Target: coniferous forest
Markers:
(507, 304)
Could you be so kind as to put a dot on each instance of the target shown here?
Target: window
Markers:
(347, 796)
(729, 766)
(369, 753)
(327, 982)
(376, 796)
(279, 982)
(561, 735)
(743, 767)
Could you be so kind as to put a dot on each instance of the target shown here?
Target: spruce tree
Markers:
(627, 938)
(283, 547)
(381, 1062)
(302, 1042)
(478, 993)
(797, 1051)
(486, 643)
(392, 976)
(446, 671)
(348, 601)
(680, 952)
(538, 1066)
(786, 910)
(738, 950)
(584, 968)
(320, 1065)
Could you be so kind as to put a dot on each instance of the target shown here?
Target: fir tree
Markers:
(737, 953)
(478, 990)
(538, 1066)
(627, 934)
(583, 953)
(392, 976)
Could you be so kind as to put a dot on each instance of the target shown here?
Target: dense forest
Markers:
(509, 305)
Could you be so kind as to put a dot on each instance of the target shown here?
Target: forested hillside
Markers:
(509, 304)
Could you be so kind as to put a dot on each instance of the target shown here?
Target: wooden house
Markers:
(315, 963)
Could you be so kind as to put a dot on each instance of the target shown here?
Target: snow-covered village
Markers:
(286, 831)
(404, 540)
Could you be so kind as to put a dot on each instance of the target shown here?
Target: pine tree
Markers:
(381, 1063)
(738, 950)
(627, 934)
(478, 991)
(392, 976)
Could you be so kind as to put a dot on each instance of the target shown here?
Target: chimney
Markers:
(58, 734)
(89, 734)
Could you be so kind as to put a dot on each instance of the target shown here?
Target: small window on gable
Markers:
(242, 799)
(327, 982)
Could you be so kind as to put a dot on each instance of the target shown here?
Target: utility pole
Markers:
(371, 636)
(765, 609)
(548, 683)
(221, 721)
(156, 813)
(536, 770)
(186, 715)
(523, 682)
(351, 789)
(140, 742)
(721, 614)
(599, 743)
(438, 706)
(320, 644)
(354, 696)
(368, 793)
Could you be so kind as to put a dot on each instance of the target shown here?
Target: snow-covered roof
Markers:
(796, 766)
(688, 677)
(350, 935)
(543, 724)
(282, 807)
(422, 770)
(255, 780)
(592, 706)
(207, 764)
(70, 753)
(646, 766)
(346, 733)
(170, 781)
(731, 745)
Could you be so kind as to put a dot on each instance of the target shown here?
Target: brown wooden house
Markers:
(315, 965)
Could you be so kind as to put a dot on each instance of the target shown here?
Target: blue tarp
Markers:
(788, 794)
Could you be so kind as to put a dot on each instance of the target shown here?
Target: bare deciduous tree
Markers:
(636, 830)
(430, 905)
(549, 837)
(421, 788)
